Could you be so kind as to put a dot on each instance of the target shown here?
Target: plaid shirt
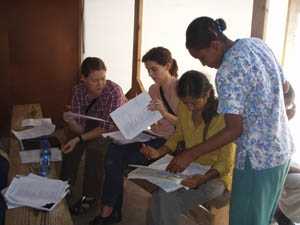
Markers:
(110, 99)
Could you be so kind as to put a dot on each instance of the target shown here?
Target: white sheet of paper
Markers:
(120, 139)
(9, 204)
(33, 156)
(134, 117)
(35, 122)
(87, 117)
(44, 129)
(192, 169)
(156, 173)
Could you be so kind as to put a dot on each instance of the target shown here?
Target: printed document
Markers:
(35, 122)
(118, 137)
(134, 117)
(87, 117)
(44, 129)
(156, 173)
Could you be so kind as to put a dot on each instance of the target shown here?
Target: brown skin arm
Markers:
(152, 153)
(232, 130)
(196, 180)
(286, 86)
(291, 111)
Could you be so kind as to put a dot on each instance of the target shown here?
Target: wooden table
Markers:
(25, 215)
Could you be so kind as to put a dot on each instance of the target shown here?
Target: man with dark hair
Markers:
(93, 96)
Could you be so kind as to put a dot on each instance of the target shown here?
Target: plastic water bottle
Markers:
(45, 158)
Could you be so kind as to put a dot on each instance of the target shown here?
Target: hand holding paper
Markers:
(156, 173)
(68, 117)
(134, 117)
(194, 181)
(149, 152)
(157, 105)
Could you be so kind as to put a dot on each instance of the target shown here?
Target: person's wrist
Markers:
(80, 139)
(161, 151)
(163, 113)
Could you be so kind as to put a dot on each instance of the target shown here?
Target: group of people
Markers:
(243, 135)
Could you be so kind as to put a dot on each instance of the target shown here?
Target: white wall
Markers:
(109, 30)
(291, 65)
(276, 25)
(109, 35)
(165, 23)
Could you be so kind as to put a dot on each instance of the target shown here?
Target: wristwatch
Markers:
(81, 141)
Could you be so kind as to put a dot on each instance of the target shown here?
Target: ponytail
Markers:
(174, 68)
(210, 109)
(203, 30)
(162, 56)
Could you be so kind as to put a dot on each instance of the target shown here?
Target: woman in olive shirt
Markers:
(197, 120)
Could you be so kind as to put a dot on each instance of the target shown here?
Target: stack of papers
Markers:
(35, 192)
(29, 140)
(156, 173)
(39, 127)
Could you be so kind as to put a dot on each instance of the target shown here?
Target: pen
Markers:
(150, 134)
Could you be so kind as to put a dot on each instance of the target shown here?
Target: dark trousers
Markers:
(93, 171)
(117, 159)
(4, 167)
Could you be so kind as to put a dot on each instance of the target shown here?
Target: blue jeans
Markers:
(117, 159)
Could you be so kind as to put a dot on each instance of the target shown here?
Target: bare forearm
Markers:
(231, 132)
(75, 128)
(215, 142)
(170, 117)
(93, 134)
(163, 150)
(211, 174)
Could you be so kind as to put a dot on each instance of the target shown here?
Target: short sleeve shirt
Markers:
(249, 82)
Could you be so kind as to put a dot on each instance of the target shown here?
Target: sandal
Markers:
(83, 205)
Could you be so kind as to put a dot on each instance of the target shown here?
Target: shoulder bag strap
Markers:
(166, 104)
(90, 105)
